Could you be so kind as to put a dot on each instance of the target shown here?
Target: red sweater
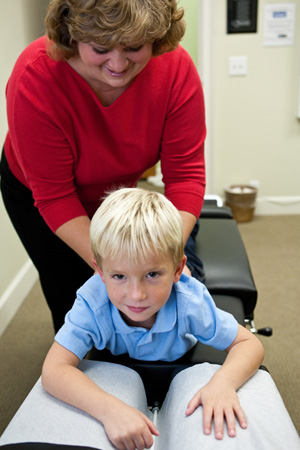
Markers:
(69, 150)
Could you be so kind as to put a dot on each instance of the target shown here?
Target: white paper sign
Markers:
(279, 24)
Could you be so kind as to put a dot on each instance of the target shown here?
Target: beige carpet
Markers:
(273, 246)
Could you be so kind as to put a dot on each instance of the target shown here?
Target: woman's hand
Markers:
(127, 428)
(76, 234)
(219, 401)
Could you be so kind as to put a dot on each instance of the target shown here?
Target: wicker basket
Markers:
(241, 200)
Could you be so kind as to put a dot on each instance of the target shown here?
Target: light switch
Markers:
(237, 65)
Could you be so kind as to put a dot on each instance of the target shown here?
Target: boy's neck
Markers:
(148, 324)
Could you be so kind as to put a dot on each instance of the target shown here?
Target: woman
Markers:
(102, 97)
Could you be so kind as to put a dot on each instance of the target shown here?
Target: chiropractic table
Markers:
(44, 421)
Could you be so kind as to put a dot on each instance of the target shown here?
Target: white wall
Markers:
(255, 130)
(20, 23)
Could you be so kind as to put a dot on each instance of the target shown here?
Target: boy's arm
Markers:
(126, 427)
(218, 397)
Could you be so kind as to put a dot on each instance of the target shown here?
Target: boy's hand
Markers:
(127, 428)
(218, 397)
(218, 400)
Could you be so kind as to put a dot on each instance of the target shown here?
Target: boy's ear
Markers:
(97, 268)
(179, 269)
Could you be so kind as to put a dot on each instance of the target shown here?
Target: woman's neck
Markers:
(105, 93)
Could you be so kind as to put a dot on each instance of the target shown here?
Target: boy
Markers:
(140, 303)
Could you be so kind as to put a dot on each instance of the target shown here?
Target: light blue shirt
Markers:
(190, 315)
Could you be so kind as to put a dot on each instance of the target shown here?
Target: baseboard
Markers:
(15, 294)
(269, 206)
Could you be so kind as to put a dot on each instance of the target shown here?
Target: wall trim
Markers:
(206, 71)
(15, 294)
(268, 206)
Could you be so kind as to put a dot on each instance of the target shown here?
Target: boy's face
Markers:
(140, 290)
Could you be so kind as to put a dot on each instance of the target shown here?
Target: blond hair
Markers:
(133, 223)
(112, 22)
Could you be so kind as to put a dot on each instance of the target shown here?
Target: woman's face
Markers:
(111, 68)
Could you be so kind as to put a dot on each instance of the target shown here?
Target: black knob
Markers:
(267, 331)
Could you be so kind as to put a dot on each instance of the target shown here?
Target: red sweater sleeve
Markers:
(182, 148)
(36, 147)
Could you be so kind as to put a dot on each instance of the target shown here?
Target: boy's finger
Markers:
(147, 441)
(193, 404)
(152, 427)
(207, 419)
(241, 417)
(219, 423)
(230, 420)
(138, 442)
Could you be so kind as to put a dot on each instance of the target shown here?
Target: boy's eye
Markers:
(152, 275)
(119, 276)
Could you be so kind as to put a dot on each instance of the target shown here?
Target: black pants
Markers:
(60, 269)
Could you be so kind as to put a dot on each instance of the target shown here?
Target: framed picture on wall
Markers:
(241, 16)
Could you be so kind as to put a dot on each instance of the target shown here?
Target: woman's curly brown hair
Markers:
(112, 22)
